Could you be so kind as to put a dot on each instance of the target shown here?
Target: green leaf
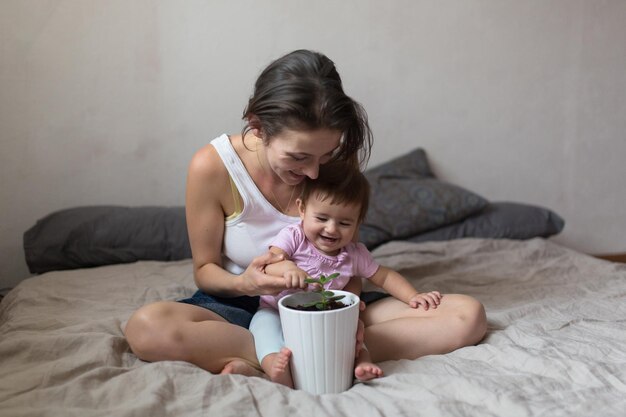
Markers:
(307, 305)
(333, 276)
(311, 280)
(328, 293)
(335, 298)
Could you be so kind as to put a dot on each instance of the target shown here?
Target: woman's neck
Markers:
(282, 196)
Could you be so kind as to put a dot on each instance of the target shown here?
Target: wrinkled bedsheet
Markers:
(556, 343)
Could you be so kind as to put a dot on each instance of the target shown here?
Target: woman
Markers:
(241, 190)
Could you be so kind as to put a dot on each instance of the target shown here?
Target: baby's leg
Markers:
(276, 366)
(269, 344)
(364, 368)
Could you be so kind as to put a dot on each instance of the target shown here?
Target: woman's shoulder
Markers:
(207, 182)
(206, 162)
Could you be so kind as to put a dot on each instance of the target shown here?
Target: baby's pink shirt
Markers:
(354, 260)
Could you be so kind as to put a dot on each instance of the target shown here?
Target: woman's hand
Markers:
(427, 300)
(256, 282)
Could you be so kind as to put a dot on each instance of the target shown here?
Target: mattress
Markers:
(556, 343)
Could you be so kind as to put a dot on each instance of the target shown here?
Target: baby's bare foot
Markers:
(276, 367)
(241, 368)
(279, 371)
(365, 371)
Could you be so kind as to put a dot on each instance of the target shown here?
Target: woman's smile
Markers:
(296, 177)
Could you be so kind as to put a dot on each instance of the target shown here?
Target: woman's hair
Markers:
(303, 91)
(342, 183)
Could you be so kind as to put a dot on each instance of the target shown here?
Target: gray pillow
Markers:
(500, 220)
(413, 164)
(407, 203)
(406, 199)
(102, 235)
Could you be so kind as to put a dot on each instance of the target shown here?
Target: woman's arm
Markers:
(207, 199)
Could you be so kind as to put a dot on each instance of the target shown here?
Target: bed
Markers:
(556, 340)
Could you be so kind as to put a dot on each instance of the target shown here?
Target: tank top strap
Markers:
(250, 194)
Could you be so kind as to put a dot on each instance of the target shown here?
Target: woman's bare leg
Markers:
(168, 330)
(393, 330)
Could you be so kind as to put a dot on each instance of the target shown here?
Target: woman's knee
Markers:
(147, 333)
(472, 320)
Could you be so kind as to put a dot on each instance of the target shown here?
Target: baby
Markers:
(331, 209)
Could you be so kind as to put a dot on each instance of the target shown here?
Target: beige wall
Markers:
(103, 102)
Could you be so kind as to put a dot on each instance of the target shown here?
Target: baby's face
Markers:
(329, 226)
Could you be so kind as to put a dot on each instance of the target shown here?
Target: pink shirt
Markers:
(354, 260)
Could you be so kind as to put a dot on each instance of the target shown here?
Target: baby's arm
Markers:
(396, 285)
(294, 276)
(355, 285)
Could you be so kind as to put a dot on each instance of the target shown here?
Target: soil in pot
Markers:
(332, 305)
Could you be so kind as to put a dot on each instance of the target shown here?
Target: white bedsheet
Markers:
(556, 344)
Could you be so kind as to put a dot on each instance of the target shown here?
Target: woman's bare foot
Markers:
(240, 367)
(276, 366)
(364, 371)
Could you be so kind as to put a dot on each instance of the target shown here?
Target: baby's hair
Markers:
(342, 183)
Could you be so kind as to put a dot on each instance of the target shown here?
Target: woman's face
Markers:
(293, 155)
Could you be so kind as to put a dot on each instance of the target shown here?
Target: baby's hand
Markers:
(426, 300)
(294, 278)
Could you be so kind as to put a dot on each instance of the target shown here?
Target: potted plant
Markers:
(319, 328)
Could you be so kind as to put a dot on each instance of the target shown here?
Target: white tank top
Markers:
(249, 234)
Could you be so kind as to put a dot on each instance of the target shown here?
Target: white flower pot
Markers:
(322, 342)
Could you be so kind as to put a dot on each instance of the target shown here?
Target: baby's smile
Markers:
(329, 239)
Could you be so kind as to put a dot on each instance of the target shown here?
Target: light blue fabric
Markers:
(267, 331)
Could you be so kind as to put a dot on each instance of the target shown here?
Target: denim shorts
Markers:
(239, 310)
(369, 297)
(235, 310)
